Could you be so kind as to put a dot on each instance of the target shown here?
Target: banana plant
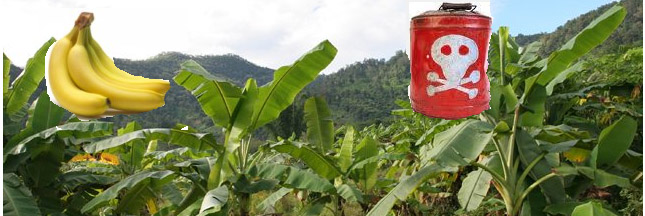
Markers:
(519, 161)
(407, 135)
(241, 111)
(145, 179)
(36, 159)
(350, 169)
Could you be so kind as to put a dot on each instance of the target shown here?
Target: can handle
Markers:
(457, 6)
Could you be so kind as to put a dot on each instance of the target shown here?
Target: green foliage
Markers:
(613, 142)
(217, 98)
(288, 81)
(26, 83)
(241, 111)
(270, 201)
(592, 208)
(474, 188)
(404, 189)
(135, 184)
(346, 150)
(214, 200)
(316, 161)
(6, 65)
(319, 124)
(448, 149)
(634, 201)
(17, 199)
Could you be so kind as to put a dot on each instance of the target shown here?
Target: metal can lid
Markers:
(453, 9)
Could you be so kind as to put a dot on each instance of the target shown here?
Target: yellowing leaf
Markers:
(577, 155)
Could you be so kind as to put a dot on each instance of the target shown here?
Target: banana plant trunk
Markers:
(244, 203)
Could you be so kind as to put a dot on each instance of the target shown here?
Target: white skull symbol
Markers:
(454, 53)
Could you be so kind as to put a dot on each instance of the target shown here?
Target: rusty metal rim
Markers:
(450, 14)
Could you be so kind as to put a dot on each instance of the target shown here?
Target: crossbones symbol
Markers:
(454, 53)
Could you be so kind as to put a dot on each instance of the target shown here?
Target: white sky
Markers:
(267, 33)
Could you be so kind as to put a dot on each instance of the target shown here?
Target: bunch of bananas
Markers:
(85, 81)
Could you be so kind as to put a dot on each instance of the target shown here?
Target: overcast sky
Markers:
(267, 33)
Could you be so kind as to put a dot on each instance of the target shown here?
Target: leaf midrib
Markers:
(472, 191)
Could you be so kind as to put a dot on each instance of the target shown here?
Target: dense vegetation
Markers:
(562, 137)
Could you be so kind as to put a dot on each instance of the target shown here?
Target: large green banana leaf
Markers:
(269, 202)
(613, 142)
(135, 198)
(243, 114)
(176, 136)
(320, 128)
(288, 80)
(346, 150)
(16, 198)
(71, 180)
(133, 153)
(292, 177)
(6, 66)
(316, 207)
(75, 130)
(316, 161)
(602, 178)
(26, 83)
(146, 178)
(529, 150)
(459, 145)
(473, 189)
(43, 114)
(350, 193)
(217, 97)
(214, 200)
(46, 114)
(116, 141)
(591, 208)
(367, 174)
(402, 190)
(195, 193)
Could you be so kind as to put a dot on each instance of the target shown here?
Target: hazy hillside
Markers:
(628, 34)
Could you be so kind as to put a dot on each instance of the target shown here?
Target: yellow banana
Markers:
(135, 85)
(114, 73)
(68, 95)
(84, 75)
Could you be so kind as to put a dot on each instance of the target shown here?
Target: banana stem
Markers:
(84, 20)
(82, 37)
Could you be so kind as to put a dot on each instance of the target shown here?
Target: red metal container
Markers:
(449, 50)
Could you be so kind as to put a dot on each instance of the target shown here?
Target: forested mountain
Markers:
(629, 33)
(364, 92)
